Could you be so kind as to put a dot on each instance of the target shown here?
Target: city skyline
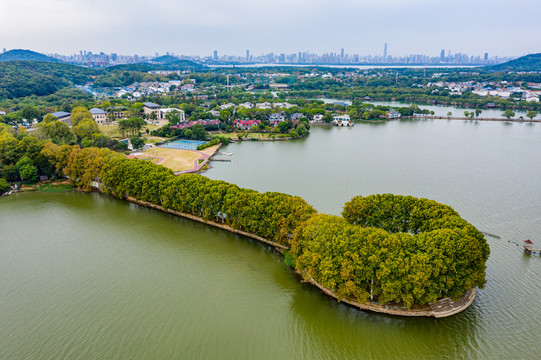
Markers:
(342, 57)
(190, 27)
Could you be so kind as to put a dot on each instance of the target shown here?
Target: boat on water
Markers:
(227, 154)
(528, 248)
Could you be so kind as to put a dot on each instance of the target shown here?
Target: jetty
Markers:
(529, 249)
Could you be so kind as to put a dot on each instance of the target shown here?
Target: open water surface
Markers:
(86, 276)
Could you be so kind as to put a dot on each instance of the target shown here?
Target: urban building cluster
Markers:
(89, 58)
(502, 89)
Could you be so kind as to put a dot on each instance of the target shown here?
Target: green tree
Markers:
(31, 113)
(80, 114)
(26, 169)
(137, 142)
(531, 114)
(4, 186)
(478, 112)
(327, 117)
(10, 173)
(86, 128)
(508, 114)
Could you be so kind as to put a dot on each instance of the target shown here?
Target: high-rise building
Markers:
(247, 55)
(442, 55)
(385, 52)
(342, 53)
(215, 54)
(486, 56)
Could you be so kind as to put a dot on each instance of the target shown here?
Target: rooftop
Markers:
(96, 111)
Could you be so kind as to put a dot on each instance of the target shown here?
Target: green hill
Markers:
(25, 78)
(26, 55)
(165, 59)
(530, 62)
(177, 64)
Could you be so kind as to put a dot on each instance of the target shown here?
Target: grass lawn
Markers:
(226, 135)
(112, 130)
(210, 150)
(259, 135)
(174, 159)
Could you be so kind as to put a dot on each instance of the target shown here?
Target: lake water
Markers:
(443, 110)
(85, 276)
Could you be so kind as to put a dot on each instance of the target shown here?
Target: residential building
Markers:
(263, 105)
(227, 106)
(246, 124)
(342, 120)
(247, 105)
(392, 115)
(296, 116)
(164, 112)
(317, 118)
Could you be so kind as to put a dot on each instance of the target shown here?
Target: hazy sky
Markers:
(197, 27)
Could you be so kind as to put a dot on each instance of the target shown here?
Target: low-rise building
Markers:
(276, 118)
(263, 105)
(246, 124)
(63, 116)
(317, 118)
(99, 116)
(247, 105)
(164, 112)
(342, 120)
(392, 115)
(151, 108)
(296, 116)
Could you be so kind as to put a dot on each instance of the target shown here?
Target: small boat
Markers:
(227, 154)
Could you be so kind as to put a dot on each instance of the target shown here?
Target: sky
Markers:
(198, 27)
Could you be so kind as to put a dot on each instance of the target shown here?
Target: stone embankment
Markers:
(442, 308)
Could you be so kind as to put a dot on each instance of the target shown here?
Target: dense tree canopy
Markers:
(392, 249)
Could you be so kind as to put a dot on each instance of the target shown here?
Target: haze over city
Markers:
(192, 27)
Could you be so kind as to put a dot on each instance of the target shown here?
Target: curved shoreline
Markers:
(442, 308)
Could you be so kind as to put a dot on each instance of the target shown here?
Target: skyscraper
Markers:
(215, 54)
(385, 52)
(442, 55)
(342, 53)
(486, 56)
(247, 55)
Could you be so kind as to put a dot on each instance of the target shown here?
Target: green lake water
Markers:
(86, 276)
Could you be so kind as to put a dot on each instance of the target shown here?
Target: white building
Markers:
(342, 120)
(164, 112)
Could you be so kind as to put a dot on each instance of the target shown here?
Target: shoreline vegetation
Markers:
(442, 308)
(388, 251)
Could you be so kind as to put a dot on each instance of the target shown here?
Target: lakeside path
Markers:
(473, 119)
(442, 308)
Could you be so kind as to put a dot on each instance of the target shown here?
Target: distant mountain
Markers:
(530, 62)
(26, 55)
(165, 59)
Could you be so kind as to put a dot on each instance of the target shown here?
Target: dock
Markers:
(223, 160)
